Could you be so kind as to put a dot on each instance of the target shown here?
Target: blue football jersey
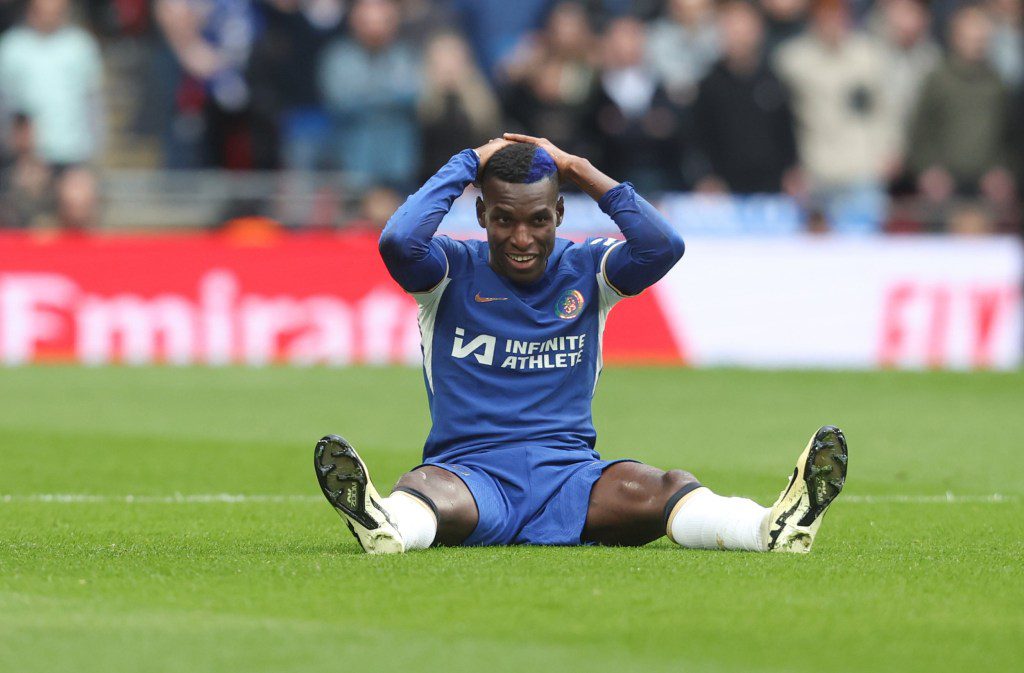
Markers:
(507, 365)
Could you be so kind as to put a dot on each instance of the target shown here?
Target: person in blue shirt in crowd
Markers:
(511, 337)
(370, 82)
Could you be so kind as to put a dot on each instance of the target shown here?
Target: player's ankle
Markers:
(706, 520)
(414, 517)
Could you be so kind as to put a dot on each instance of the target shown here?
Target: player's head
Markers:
(520, 208)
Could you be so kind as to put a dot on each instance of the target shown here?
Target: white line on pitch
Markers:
(926, 499)
(229, 498)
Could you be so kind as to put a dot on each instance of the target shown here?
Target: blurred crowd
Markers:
(875, 115)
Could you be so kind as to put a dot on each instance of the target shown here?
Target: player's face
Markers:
(520, 221)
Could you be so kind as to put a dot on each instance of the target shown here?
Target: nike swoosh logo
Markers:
(484, 300)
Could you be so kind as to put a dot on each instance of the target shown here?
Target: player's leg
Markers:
(449, 499)
(634, 504)
(705, 520)
(628, 503)
(428, 505)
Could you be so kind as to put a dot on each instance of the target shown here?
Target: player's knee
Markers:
(674, 481)
(451, 500)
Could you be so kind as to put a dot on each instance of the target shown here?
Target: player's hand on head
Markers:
(561, 157)
(487, 150)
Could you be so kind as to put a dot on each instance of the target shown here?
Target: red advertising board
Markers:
(211, 299)
(905, 302)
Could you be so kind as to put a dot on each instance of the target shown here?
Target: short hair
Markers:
(520, 163)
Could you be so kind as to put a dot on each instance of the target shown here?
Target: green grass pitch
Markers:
(900, 580)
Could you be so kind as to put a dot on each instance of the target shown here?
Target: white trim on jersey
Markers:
(428, 302)
(608, 297)
(427, 314)
(603, 275)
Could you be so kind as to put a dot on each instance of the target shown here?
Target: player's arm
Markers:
(652, 246)
(414, 259)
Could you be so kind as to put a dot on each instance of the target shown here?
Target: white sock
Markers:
(706, 520)
(413, 518)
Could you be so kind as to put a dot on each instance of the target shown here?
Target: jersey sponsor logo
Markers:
(484, 300)
(557, 353)
(561, 352)
(460, 349)
(569, 304)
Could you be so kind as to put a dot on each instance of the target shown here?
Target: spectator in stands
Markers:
(50, 71)
(376, 207)
(912, 54)
(457, 108)
(784, 20)
(846, 127)
(76, 200)
(566, 38)
(959, 136)
(970, 218)
(212, 40)
(495, 28)
(551, 78)
(291, 127)
(638, 127)
(26, 194)
(683, 45)
(743, 121)
(370, 83)
(1007, 50)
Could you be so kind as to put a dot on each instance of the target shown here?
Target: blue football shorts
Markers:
(528, 495)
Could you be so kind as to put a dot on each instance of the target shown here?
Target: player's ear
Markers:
(480, 212)
(559, 210)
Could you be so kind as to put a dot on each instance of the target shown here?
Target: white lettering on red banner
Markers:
(217, 324)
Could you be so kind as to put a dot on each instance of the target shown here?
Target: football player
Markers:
(511, 338)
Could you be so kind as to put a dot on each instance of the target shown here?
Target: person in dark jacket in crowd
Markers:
(290, 128)
(744, 125)
(639, 129)
(549, 81)
(960, 131)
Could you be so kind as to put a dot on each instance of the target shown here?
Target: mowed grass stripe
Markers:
(903, 576)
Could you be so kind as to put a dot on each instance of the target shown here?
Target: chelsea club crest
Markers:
(569, 304)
